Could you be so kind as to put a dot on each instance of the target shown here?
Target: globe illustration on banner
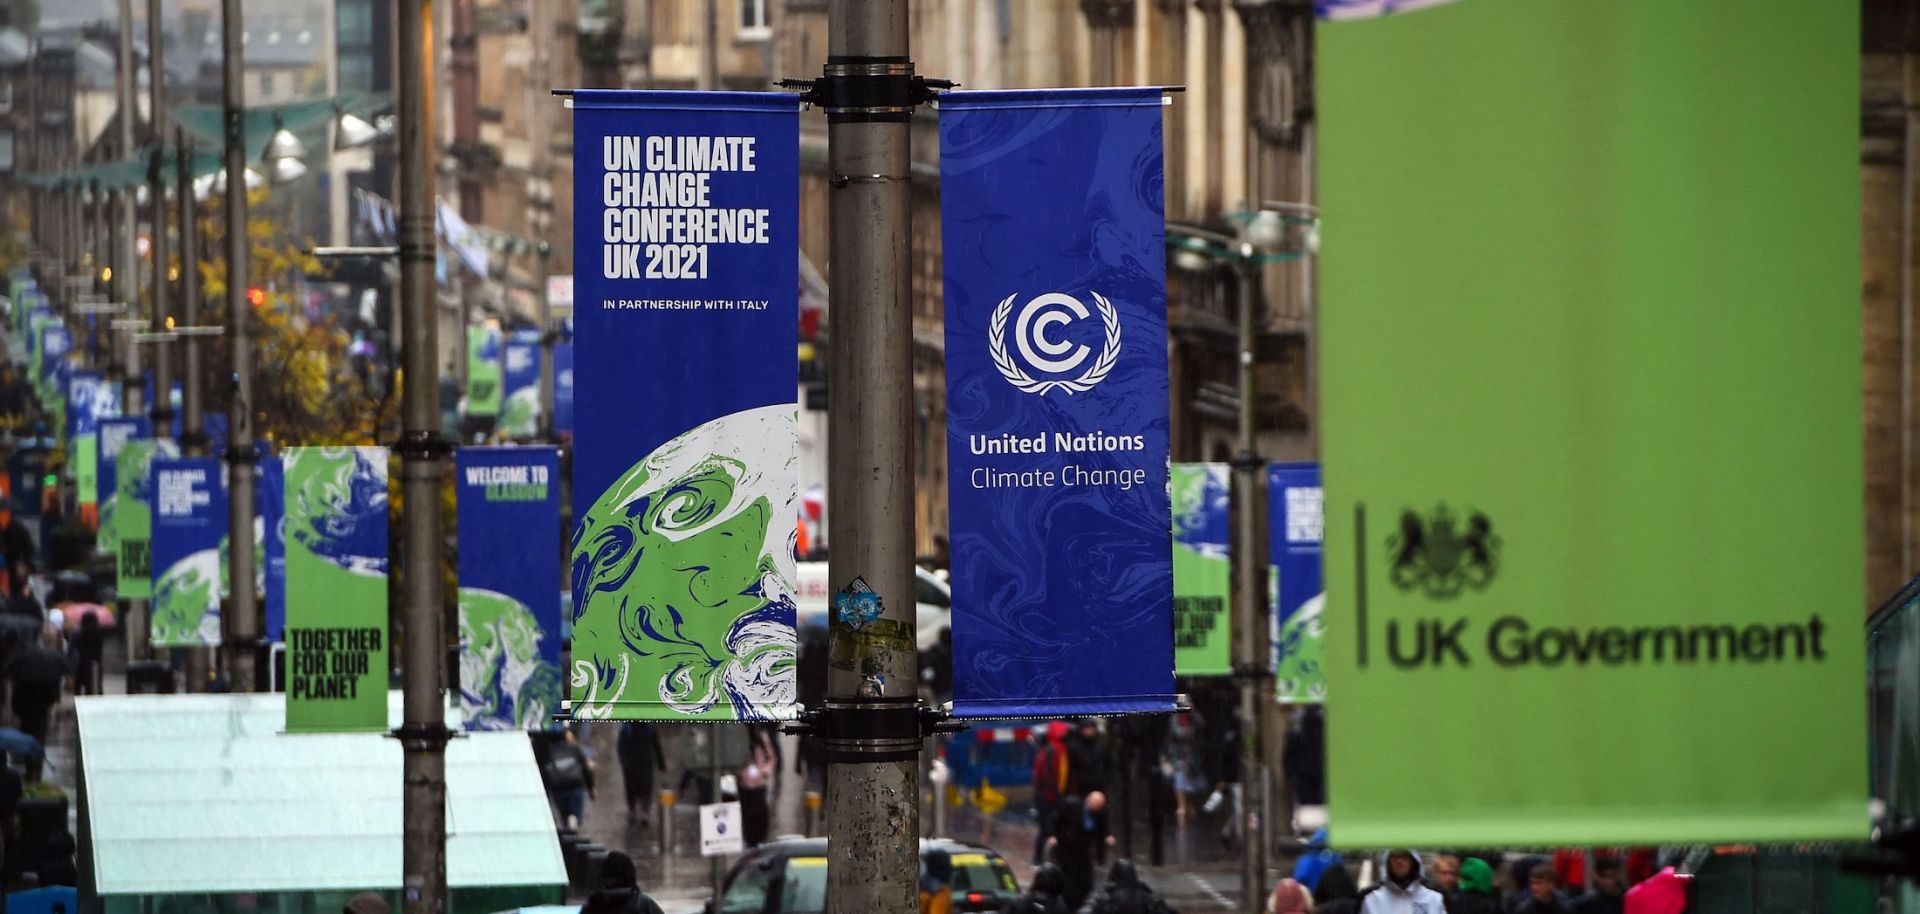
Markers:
(505, 683)
(683, 576)
(186, 603)
(344, 506)
(520, 413)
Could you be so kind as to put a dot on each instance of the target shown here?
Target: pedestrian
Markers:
(619, 891)
(570, 778)
(1092, 764)
(1443, 875)
(1401, 891)
(1051, 773)
(366, 903)
(1519, 871)
(1336, 892)
(1475, 893)
(88, 644)
(1290, 897)
(1043, 894)
(1316, 859)
(640, 756)
(38, 671)
(936, 882)
(1079, 835)
(1543, 892)
(1665, 892)
(1609, 895)
(1124, 893)
(754, 776)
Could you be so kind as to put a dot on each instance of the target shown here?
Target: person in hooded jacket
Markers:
(619, 891)
(1290, 897)
(1045, 895)
(1124, 893)
(1476, 894)
(1336, 892)
(1315, 860)
(1401, 891)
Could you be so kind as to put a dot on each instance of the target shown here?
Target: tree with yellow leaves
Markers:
(305, 389)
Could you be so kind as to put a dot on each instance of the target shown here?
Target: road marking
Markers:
(1206, 888)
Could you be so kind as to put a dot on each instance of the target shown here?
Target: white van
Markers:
(932, 601)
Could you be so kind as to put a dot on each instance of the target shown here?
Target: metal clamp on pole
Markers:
(868, 89)
(871, 731)
(423, 445)
(423, 736)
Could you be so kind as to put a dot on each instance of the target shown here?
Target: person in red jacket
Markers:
(1052, 780)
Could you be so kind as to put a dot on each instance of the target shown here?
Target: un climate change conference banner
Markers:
(114, 435)
(1202, 570)
(189, 531)
(133, 513)
(685, 470)
(520, 388)
(1561, 498)
(90, 399)
(509, 513)
(336, 543)
(1056, 326)
(1294, 543)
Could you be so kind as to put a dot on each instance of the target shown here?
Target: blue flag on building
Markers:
(1295, 541)
(508, 501)
(685, 471)
(189, 549)
(1056, 324)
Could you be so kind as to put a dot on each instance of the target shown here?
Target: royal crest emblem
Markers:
(1440, 557)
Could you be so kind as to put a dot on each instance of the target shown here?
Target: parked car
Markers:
(789, 876)
(932, 602)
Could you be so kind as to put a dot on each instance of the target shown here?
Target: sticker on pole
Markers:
(720, 830)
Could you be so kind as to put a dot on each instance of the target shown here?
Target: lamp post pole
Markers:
(871, 716)
(424, 452)
(241, 620)
(1251, 666)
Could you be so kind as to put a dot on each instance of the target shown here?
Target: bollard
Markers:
(667, 799)
(812, 799)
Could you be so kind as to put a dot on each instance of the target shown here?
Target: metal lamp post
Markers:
(1265, 236)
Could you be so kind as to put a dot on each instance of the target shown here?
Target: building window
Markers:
(266, 86)
(753, 20)
(356, 25)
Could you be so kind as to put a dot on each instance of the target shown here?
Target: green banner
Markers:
(1592, 408)
(1202, 571)
(336, 544)
(86, 468)
(483, 371)
(133, 513)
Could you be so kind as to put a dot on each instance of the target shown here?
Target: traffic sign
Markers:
(720, 829)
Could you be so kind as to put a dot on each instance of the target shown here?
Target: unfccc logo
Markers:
(1043, 352)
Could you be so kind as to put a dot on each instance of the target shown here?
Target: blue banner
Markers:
(563, 389)
(509, 520)
(189, 533)
(271, 499)
(1296, 534)
(114, 435)
(519, 389)
(685, 469)
(55, 342)
(1056, 325)
(91, 397)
